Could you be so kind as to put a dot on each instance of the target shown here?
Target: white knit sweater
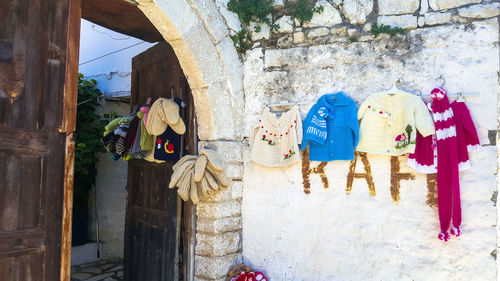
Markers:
(275, 141)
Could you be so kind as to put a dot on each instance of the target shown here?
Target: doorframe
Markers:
(68, 127)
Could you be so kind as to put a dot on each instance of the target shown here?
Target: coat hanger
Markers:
(460, 97)
(394, 90)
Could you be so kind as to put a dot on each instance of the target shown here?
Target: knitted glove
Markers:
(199, 176)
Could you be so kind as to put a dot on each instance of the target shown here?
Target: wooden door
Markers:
(39, 41)
(153, 244)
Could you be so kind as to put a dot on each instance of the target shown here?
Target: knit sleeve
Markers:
(472, 138)
(298, 126)
(423, 119)
(353, 123)
(364, 106)
(305, 126)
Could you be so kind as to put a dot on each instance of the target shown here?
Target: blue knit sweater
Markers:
(338, 140)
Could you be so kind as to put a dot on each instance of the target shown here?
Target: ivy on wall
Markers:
(263, 12)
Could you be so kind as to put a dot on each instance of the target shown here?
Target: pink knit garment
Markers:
(467, 138)
(448, 184)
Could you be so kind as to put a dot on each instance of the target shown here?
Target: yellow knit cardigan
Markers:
(389, 123)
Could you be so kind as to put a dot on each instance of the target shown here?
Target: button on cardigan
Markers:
(389, 123)
(336, 140)
(275, 141)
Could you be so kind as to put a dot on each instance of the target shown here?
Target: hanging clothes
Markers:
(275, 141)
(331, 128)
(448, 183)
(389, 123)
(424, 160)
(467, 137)
(168, 144)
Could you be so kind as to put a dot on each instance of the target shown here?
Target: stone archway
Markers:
(200, 38)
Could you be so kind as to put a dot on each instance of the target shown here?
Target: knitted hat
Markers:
(316, 132)
(164, 113)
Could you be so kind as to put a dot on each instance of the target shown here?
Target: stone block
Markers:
(214, 267)
(342, 31)
(328, 17)
(232, 20)
(421, 21)
(209, 11)
(286, 24)
(424, 7)
(232, 152)
(480, 11)
(356, 11)
(437, 5)
(352, 32)
(290, 57)
(234, 171)
(221, 225)
(236, 190)
(397, 7)
(263, 34)
(437, 18)
(316, 32)
(406, 21)
(218, 210)
(298, 37)
(216, 245)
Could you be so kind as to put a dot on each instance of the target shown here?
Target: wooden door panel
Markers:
(38, 43)
(153, 217)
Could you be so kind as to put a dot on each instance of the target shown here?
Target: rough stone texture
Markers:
(195, 30)
(264, 33)
(218, 210)
(424, 6)
(286, 24)
(352, 32)
(406, 21)
(234, 171)
(298, 37)
(230, 151)
(215, 226)
(449, 4)
(330, 16)
(480, 11)
(218, 244)
(323, 235)
(316, 32)
(437, 18)
(357, 10)
(397, 7)
(214, 267)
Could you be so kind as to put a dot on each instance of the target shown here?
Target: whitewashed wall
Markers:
(329, 235)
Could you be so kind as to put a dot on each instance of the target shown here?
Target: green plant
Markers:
(242, 41)
(352, 39)
(87, 138)
(302, 10)
(252, 10)
(379, 29)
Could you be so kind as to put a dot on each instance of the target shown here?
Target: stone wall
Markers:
(265, 218)
(341, 232)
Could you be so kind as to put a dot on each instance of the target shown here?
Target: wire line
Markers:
(105, 55)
